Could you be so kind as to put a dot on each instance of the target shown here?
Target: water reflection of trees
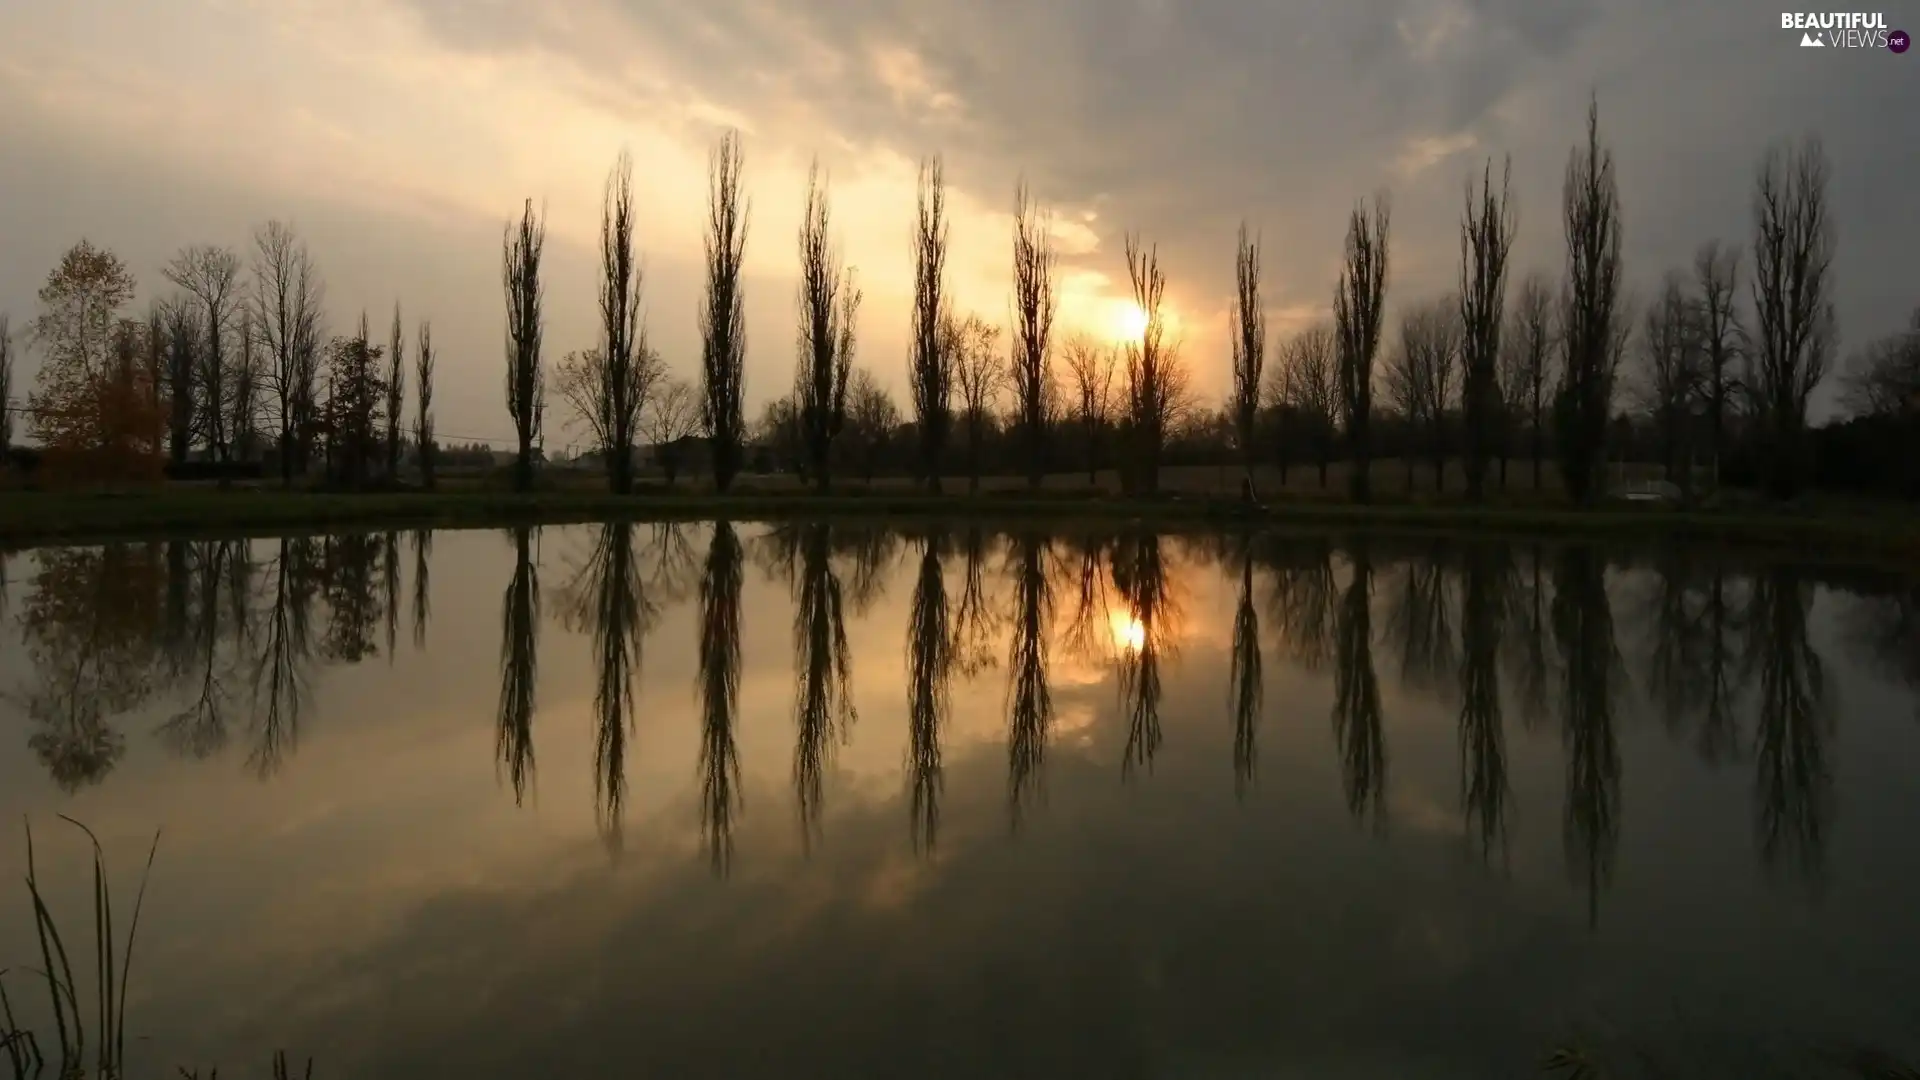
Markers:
(1029, 698)
(90, 623)
(1884, 627)
(1151, 615)
(1485, 601)
(1793, 783)
(823, 697)
(208, 643)
(519, 667)
(207, 624)
(422, 585)
(1695, 618)
(355, 603)
(721, 580)
(608, 599)
(1356, 693)
(282, 669)
(1591, 673)
(206, 631)
(1527, 642)
(929, 671)
(976, 619)
(1245, 679)
(1089, 633)
(1420, 623)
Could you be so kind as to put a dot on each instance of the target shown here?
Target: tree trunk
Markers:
(619, 471)
(523, 468)
(1360, 484)
(1036, 457)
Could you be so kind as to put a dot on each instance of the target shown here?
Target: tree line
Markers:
(1726, 357)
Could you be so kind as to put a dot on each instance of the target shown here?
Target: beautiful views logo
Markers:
(1845, 30)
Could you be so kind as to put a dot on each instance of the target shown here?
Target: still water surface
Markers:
(824, 800)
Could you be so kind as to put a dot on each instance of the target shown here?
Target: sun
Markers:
(1129, 321)
(1128, 633)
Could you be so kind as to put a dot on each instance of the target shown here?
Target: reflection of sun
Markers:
(1128, 633)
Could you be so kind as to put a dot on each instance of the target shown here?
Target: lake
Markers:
(833, 799)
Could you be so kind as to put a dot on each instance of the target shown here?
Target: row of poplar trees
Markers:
(612, 385)
(1582, 328)
(1791, 340)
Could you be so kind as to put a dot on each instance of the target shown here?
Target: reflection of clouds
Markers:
(1073, 722)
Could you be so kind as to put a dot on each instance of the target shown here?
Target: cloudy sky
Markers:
(398, 135)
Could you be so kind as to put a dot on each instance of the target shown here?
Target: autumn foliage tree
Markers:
(91, 407)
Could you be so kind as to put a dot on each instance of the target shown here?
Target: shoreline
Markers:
(31, 518)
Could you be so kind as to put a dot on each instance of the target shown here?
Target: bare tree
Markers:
(1034, 305)
(183, 350)
(1157, 394)
(155, 355)
(396, 392)
(1883, 379)
(423, 418)
(209, 275)
(929, 367)
(1311, 387)
(1486, 239)
(974, 348)
(1359, 302)
(1513, 389)
(526, 378)
(615, 390)
(1671, 373)
(1882, 383)
(1529, 344)
(287, 296)
(723, 319)
(872, 417)
(1090, 366)
(1592, 320)
(306, 401)
(1794, 321)
(6, 382)
(585, 381)
(1421, 374)
(1716, 277)
(245, 403)
(1400, 381)
(829, 308)
(1249, 347)
(672, 417)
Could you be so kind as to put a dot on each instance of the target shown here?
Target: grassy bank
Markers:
(44, 517)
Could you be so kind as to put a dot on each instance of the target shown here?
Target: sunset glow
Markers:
(1128, 633)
